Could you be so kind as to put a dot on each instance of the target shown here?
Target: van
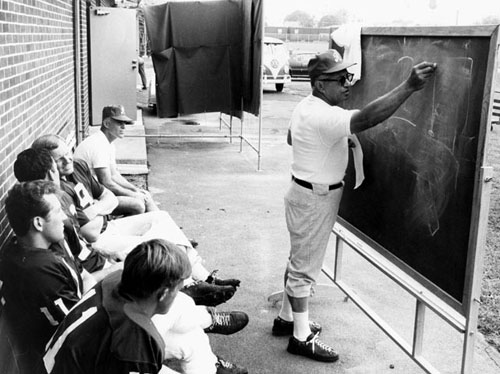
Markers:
(275, 69)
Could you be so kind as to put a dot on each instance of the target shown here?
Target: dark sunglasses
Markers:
(345, 78)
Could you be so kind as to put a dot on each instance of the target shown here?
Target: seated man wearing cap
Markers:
(318, 134)
(98, 151)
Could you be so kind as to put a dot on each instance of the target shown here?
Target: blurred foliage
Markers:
(302, 18)
(339, 18)
(490, 20)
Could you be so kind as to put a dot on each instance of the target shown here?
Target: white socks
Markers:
(301, 329)
(286, 309)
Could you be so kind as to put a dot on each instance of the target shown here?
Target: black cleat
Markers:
(312, 348)
(226, 323)
(285, 328)
(226, 367)
(207, 294)
(212, 279)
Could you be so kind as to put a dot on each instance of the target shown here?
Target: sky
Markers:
(371, 12)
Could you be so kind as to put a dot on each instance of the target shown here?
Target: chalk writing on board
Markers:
(433, 164)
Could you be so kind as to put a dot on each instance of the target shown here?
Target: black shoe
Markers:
(226, 323)
(226, 367)
(207, 294)
(212, 279)
(284, 328)
(312, 348)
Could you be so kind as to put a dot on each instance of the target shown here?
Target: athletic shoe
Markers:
(226, 367)
(212, 279)
(285, 328)
(226, 323)
(207, 294)
(312, 348)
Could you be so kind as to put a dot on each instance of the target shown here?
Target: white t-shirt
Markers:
(97, 152)
(319, 141)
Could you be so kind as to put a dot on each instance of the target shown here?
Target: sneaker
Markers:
(207, 294)
(226, 367)
(284, 328)
(312, 348)
(226, 323)
(212, 279)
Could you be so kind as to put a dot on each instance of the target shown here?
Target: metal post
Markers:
(78, 83)
(242, 119)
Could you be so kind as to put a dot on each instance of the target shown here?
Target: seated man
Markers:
(39, 286)
(98, 151)
(133, 321)
(117, 237)
(32, 164)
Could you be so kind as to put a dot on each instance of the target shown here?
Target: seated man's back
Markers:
(104, 334)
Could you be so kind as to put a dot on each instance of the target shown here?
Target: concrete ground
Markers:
(236, 213)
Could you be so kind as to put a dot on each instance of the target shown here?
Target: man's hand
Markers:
(140, 196)
(420, 74)
(90, 212)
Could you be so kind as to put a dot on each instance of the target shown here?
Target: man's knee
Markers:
(137, 206)
(130, 205)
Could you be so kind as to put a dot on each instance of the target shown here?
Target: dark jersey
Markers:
(39, 287)
(83, 188)
(88, 256)
(103, 334)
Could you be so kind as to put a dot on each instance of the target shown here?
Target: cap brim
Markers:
(339, 67)
(123, 119)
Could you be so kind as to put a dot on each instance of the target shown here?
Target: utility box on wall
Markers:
(113, 60)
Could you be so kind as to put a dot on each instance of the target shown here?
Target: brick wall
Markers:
(37, 80)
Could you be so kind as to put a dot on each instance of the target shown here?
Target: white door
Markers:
(113, 60)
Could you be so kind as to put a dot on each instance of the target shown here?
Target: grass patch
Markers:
(489, 310)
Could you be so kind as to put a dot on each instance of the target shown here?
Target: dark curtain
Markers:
(206, 56)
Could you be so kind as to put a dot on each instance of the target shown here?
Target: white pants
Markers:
(310, 217)
(182, 331)
(124, 234)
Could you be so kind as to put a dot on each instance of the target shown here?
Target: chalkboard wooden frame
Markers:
(459, 312)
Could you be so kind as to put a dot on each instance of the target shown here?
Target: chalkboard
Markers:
(420, 165)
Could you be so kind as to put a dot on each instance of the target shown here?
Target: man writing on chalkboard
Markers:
(318, 133)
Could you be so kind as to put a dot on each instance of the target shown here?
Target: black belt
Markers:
(308, 185)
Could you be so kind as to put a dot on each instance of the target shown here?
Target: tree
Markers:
(328, 20)
(339, 18)
(490, 20)
(302, 18)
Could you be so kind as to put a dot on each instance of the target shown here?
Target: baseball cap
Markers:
(116, 112)
(326, 63)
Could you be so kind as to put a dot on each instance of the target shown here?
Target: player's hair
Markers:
(153, 265)
(48, 141)
(25, 201)
(32, 164)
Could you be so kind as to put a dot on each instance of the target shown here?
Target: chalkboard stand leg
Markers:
(418, 329)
